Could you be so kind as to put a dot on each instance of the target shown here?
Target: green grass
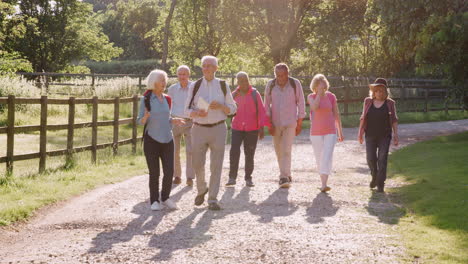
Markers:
(21, 196)
(435, 229)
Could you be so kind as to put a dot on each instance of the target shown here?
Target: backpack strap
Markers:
(169, 100)
(195, 90)
(254, 95)
(223, 87)
(292, 82)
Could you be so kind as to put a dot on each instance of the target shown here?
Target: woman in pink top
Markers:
(325, 126)
(247, 127)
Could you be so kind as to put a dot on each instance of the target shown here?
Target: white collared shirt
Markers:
(210, 91)
(179, 96)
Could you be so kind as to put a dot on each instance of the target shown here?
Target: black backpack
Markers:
(291, 81)
(197, 86)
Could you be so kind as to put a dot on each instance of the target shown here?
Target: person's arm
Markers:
(143, 114)
(300, 107)
(396, 140)
(315, 103)
(361, 123)
(268, 110)
(336, 114)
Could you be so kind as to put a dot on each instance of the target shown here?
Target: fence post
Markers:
(446, 99)
(10, 134)
(43, 135)
(115, 144)
(346, 95)
(93, 82)
(426, 99)
(232, 83)
(134, 123)
(401, 104)
(94, 130)
(47, 84)
(139, 84)
(71, 123)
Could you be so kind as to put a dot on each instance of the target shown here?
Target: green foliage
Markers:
(55, 33)
(123, 66)
(435, 196)
(10, 63)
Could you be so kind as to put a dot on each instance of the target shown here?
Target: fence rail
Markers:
(44, 101)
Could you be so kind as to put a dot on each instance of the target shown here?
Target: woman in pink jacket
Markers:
(247, 128)
(378, 120)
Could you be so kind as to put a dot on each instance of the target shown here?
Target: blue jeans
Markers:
(249, 138)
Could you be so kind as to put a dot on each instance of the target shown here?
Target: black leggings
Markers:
(154, 151)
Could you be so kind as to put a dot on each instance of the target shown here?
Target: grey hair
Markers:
(212, 58)
(242, 74)
(154, 77)
(281, 66)
(183, 67)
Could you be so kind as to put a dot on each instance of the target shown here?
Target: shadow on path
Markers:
(147, 220)
(187, 234)
(276, 205)
(322, 206)
(380, 205)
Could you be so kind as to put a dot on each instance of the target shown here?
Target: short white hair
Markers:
(154, 77)
(183, 67)
(211, 58)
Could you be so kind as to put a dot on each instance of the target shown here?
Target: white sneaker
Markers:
(156, 206)
(170, 204)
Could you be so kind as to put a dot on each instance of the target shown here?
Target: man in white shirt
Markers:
(208, 104)
(179, 93)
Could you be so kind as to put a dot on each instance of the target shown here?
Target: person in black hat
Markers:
(377, 122)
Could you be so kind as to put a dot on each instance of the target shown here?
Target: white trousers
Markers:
(323, 146)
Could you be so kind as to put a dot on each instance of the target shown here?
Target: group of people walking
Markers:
(196, 113)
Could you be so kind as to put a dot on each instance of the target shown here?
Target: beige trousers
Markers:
(212, 138)
(179, 133)
(283, 141)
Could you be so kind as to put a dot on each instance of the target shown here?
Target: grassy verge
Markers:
(435, 228)
(20, 196)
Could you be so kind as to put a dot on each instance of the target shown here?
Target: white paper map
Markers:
(202, 104)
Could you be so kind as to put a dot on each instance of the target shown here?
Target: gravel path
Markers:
(263, 224)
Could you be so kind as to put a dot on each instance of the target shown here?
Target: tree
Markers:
(62, 31)
(167, 32)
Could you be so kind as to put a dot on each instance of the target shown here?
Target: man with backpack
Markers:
(208, 104)
(179, 93)
(285, 106)
(247, 127)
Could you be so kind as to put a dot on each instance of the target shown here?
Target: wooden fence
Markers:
(44, 101)
(411, 95)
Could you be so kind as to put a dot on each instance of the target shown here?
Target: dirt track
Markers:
(264, 224)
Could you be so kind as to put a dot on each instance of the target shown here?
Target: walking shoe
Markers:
(231, 182)
(380, 189)
(190, 182)
(249, 183)
(325, 189)
(177, 180)
(170, 204)
(200, 198)
(156, 206)
(214, 206)
(284, 183)
(290, 179)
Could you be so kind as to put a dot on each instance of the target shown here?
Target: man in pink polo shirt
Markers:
(247, 127)
(285, 106)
